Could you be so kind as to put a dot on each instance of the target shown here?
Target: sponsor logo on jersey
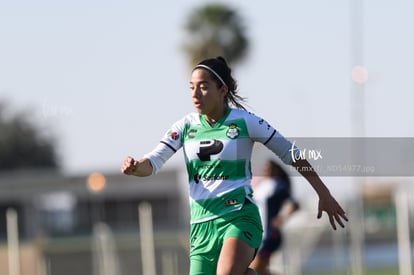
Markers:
(197, 178)
(191, 133)
(232, 132)
(173, 135)
(209, 148)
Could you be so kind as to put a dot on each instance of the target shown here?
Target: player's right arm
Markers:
(152, 162)
(141, 168)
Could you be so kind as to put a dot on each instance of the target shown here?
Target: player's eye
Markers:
(204, 87)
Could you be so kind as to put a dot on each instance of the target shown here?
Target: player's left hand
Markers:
(335, 212)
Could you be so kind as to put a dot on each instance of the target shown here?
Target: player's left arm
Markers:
(327, 202)
(263, 132)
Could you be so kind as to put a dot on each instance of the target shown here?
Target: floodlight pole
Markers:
(358, 126)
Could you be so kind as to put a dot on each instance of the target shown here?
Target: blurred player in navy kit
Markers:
(273, 195)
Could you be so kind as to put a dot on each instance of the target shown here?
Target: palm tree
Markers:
(214, 30)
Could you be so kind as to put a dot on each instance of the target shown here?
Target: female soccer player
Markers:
(217, 141)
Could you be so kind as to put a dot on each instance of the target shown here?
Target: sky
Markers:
(108, 78)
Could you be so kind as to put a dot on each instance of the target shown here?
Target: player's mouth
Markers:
(197, 104)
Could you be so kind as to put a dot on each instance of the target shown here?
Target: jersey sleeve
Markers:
(261, 131)
(170, 143)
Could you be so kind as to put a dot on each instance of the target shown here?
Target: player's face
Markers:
(207, 97)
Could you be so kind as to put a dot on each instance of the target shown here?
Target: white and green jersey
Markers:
(218, 158)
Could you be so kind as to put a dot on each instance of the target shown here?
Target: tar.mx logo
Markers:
(310, 154)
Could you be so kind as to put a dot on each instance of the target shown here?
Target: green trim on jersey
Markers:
(224, 130)
(206, 124)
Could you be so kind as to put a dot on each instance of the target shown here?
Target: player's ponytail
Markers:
(221, 73)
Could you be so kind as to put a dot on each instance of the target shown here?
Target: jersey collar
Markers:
(219, 122)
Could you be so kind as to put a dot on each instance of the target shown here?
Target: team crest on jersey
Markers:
(173, 135)
(233, 132)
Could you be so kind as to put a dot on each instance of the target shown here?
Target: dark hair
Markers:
(219, 66)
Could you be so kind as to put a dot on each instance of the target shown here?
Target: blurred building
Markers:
(57, 215)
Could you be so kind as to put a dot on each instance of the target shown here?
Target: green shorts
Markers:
(206, 238)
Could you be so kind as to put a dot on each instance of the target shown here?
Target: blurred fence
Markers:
(45, 242)
(379, 240)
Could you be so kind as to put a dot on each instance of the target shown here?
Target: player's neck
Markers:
(213, 117)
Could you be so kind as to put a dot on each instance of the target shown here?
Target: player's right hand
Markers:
(129, 166)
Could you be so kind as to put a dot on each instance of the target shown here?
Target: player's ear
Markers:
(224, 90)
